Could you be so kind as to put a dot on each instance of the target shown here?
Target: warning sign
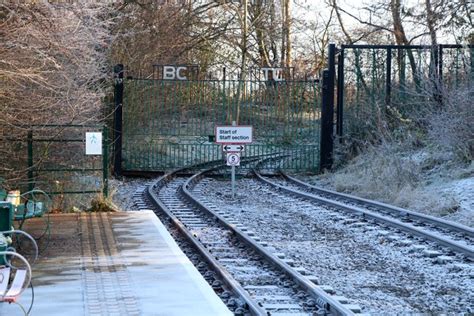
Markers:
(234, 134)
(233, 159)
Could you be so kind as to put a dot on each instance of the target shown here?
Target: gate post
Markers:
(388, 78)
(327, 112)
(118, 100)
(340, 94)
(105, 161)
(31, 185)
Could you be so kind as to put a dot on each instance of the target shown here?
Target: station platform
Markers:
(123, 263)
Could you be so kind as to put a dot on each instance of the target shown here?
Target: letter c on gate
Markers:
(178, 73)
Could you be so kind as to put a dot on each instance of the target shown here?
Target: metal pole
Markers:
(388, 79)
(233, 171)
(30, 160)
(327, 112)
(340, 93)
(401, 66)
(440, 64)
(233, 181)
(105, 162)
(439, 77)
(118, 96)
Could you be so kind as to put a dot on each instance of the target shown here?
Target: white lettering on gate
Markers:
(169, 72)
(178, 73)
(276, 72)
(172, 72)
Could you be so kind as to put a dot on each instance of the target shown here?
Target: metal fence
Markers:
(375, 80)
(169, 124)
(52, 158)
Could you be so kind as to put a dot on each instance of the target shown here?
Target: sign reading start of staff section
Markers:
(234, 134)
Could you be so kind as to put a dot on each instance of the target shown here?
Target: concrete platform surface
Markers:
(115, 264)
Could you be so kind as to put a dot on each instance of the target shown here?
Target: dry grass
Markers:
(419, 163)
(413, 179)
(102, 204)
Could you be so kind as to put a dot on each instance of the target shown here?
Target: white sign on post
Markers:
(93, 143)
(231, 148)
(233, 159)
(234, 134)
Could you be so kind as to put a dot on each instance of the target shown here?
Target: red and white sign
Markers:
(234, 134)
(233, 159)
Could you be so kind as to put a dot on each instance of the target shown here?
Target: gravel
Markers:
(364, 263)
(121, 192)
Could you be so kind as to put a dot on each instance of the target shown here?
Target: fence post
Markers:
(440, 64)
(388, 78)
(439, 77)
(327, 112)
(118, 100)
(105, 162)
(340, 93)
(30, 160)
(471, 51)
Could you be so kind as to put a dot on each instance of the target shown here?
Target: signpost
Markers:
(232, 138)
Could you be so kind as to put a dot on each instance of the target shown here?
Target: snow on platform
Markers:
(115, 264)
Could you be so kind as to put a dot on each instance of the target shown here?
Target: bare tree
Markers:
(286, 33)
(53, 69)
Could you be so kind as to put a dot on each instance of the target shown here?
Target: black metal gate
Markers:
(377, 79)
(168, 124)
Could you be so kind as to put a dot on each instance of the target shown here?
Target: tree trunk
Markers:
(288, 32)
(260, 34)
(243, 61)
(273, 45)
(400, 36)
(430, 21)
(283, 33)
(351, 42)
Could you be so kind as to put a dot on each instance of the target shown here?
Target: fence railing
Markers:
(170, 123)
(374, 79)
(52, 157)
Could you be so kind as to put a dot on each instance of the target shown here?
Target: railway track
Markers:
(263, 283)
(450, 239)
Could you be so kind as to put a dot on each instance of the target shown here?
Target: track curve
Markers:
(272, 287)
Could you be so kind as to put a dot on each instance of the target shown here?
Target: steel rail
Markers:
(455, 227)
(323, 299)
(233, 285)
(467, 251)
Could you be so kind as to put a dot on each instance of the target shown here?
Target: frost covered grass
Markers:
(429, 182)
(425, 163)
